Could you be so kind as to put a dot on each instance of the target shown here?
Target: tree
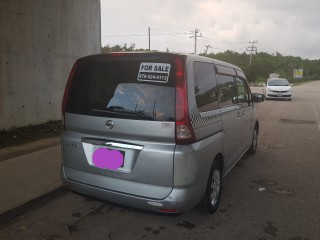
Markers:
(265, 63)
(119, 48)
(251, 72)
(262, 65)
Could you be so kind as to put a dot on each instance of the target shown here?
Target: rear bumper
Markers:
(180, 199)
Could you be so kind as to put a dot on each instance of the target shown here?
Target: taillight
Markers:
(184, 131)
(66, 93)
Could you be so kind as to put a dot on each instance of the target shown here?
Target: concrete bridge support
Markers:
(39, 42)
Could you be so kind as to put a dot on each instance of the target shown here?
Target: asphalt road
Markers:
(271, 195)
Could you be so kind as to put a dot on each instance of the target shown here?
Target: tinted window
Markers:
(225, 70)
(206, 89)
(242, 91)
(240, 74)
(112, 89)
(228, 90)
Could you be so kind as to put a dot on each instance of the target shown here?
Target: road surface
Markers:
(271, 195)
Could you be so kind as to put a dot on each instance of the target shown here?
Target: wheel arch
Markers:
(205, 204)
(257, 126)
(219, 158)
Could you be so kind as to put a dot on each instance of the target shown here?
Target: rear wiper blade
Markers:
(123, 111)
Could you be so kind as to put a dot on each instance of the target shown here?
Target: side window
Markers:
(206, 89)
(228, 90)
(242, 93)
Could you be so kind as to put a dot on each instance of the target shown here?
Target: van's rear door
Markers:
(120, 123)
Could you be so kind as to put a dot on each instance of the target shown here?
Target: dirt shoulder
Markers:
(20, 141)
(16, 151)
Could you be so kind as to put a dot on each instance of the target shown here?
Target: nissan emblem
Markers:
(109, 124)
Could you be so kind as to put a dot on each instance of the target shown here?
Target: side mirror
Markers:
(257, 97)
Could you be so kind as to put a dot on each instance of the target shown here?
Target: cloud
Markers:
(287, 26)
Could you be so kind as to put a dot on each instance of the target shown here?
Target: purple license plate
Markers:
(108, 158)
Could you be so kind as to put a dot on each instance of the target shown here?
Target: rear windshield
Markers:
(125, 88)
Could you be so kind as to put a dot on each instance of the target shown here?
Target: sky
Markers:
(289, 27)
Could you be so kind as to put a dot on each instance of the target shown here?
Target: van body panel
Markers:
(180, 198)
(118, 185)
(152, 165)
(248, 124)
(124, 105)
(154, 131)
(207, 124)
(191, 161)
(232, 135)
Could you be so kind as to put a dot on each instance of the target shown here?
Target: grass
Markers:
(22, 135)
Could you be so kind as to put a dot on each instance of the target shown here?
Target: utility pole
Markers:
(149, 37)
(197, 34)
(252, 49)
(206, 51)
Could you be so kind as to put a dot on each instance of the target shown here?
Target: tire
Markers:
(253, 148)
(212, 195)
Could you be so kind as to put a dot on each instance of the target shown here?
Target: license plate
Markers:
(105, 158)
(279, 95)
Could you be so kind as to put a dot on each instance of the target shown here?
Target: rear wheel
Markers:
(254, 144)
(212, 195)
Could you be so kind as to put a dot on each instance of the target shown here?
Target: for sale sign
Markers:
(154, 72)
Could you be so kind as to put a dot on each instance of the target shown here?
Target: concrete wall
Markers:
(39, 42)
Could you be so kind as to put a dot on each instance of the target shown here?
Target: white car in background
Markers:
(278, 88)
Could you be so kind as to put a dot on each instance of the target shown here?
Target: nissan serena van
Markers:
(156, 131)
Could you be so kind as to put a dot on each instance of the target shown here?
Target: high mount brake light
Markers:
(117, 54)
(184, 131)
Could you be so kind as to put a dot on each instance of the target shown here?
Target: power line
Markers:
(149, 38)
(125, 35)
(164, 32)
(206, 39)
(206, 51)
(196, 34)
(252, 49)
(143, 35)
(206, 42)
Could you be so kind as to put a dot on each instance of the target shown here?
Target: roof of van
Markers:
(188, 55)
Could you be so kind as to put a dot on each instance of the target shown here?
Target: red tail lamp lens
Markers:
(184, 132)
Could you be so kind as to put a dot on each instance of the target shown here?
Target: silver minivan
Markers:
(156, 131)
